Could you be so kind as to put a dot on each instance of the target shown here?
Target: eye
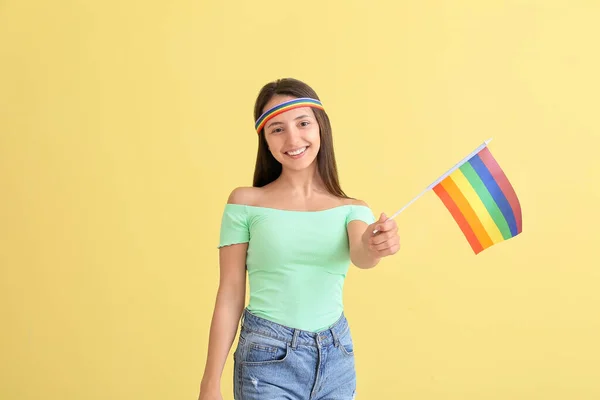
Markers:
(304, 123)
(277, 130)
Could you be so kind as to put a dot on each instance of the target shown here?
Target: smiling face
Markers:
(293, 137)
(311, 131)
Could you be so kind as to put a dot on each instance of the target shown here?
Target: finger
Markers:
(394, 240)
(384, 227)
(385, 245)
(388, 250)
(383, 236)
(375, 227)
(388, 225)
(391, 250)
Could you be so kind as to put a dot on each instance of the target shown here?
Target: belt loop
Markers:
(295, 339)
(336, 340)
(243, 318)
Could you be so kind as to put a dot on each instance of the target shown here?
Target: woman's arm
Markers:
(366, 249)
(229, 306)
(360, 254)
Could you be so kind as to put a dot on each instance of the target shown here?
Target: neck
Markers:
(302, 183)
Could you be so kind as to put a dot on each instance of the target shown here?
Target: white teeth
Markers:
(295, 153)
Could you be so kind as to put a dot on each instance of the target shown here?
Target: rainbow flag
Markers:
(481, 200)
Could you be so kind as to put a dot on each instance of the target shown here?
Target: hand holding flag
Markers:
(385, 241)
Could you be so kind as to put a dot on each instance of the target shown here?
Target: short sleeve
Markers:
(361, 213)
(234, 225)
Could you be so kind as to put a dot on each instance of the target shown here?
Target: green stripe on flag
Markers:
(487, 199)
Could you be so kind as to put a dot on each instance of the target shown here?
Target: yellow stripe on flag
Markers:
(482, 213)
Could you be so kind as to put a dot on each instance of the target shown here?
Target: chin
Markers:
(300, 164)
(296, 167)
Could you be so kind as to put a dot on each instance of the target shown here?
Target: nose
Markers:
(293, 134)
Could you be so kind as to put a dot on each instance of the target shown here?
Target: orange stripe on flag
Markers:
(458, 217)
(467, 211)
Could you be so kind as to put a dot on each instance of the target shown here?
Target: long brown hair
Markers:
(267, 168)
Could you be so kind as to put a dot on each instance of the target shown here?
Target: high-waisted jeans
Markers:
(275, 362)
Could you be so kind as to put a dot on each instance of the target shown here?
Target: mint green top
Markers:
(297, 260)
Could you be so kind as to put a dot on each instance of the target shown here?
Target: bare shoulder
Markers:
(246, 195)
(356, 202)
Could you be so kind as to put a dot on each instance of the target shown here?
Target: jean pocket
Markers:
(346, 344)
(264, 350)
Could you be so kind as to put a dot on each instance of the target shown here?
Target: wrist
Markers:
(369, 256)
(210, 383)
(366, 247)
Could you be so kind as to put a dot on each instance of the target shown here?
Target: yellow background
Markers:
(124, 125)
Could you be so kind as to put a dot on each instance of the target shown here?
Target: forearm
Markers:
(226, 316)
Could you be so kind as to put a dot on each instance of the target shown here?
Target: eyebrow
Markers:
(281, 123)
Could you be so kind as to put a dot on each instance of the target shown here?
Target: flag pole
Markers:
(441, 178)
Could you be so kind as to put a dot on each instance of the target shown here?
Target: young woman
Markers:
(295, 233)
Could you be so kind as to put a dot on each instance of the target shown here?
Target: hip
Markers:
(275, 361)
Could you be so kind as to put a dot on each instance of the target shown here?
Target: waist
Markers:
(306, 301)
(295, 336)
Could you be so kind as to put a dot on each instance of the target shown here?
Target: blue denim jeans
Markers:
(275, 362)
